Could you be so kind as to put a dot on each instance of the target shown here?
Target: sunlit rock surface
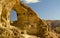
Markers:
(28, 20)
(9, 32)
(28, 25)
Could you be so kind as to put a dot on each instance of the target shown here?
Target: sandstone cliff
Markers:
(28, 21)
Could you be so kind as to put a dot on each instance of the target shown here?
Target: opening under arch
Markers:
(13, 15)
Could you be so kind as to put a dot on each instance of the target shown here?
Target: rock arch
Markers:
(26, 17)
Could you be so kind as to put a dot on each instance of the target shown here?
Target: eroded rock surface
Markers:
(27, 20)
(9, 32)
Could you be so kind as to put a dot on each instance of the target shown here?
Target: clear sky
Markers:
(46, 9)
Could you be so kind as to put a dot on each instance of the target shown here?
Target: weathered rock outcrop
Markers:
(9, 32)
(27, 20)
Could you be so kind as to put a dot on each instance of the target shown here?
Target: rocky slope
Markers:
(55, 25)
(9, 32)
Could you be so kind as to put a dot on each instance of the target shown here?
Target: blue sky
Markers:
(46, 9)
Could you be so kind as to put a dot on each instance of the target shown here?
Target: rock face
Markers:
(54, 23)
(9, 32)
(28, 21)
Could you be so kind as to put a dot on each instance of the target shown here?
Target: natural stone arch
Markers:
(27, 12)
(30, 16)
(7, 5)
